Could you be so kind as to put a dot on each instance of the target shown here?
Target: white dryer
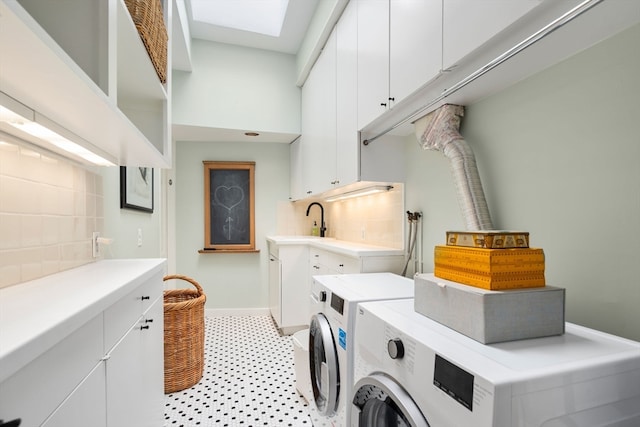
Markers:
(411, 371)
(334, 299)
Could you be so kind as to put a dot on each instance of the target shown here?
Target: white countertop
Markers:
(339, 246)
(52, 307)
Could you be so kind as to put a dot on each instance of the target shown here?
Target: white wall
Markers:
(239, 280)
(235, 87)
(558, 154)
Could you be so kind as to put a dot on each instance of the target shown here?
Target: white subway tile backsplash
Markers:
(49, 208)
(50, 230)
(31, 231)
(10, 230)
(377, 219)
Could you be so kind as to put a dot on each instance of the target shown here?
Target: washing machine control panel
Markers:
(454, 381)
(337, 303)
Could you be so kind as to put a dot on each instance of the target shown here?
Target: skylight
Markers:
(256, 16)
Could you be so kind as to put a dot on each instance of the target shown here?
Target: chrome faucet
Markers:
(322, 227)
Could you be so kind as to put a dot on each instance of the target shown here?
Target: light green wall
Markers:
(122, 225)
(231, 281)
(236, 87)
(559, 157)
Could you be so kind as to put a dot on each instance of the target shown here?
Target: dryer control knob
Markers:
(395, 348)
(323, 296)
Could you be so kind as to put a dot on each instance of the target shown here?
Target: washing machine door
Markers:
(380, 402)
(323, 365)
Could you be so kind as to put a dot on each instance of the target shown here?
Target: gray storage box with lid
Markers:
(491, 316)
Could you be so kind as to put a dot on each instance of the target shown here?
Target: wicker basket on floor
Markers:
(149, 21)
(183, 335)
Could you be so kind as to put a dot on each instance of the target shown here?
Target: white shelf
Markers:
(121, 113)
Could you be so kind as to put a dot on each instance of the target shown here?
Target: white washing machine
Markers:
(334, 299)
(411, 371)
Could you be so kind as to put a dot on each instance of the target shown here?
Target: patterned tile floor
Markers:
(248, 379)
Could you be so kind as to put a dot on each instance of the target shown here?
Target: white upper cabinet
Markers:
(469, 24)
(399, 50)
(81, 64)
(347, 138)
(415, 50)
(319, 122)
(373, 59)
(296, 185)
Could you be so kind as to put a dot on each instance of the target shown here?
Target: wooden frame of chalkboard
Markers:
(229, 206)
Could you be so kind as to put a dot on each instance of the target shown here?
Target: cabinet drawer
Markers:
(318, 256)
(35, 391)
(347, 265)
(122, 315)
(151, 290)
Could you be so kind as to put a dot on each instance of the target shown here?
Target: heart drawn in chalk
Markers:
(228, 197)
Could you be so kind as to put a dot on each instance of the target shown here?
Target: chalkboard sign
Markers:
(229, 205)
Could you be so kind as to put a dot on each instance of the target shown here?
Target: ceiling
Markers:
(296, 21)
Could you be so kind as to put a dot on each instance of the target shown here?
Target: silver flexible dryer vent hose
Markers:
(439, 130)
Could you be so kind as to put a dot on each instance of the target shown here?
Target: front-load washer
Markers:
(412, 371)
(333, 300)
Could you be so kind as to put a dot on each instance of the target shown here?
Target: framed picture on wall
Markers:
(229, 195)
(136, 188)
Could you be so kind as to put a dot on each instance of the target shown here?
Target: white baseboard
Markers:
(219, 312)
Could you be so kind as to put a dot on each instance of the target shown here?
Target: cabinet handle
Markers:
(383, 104)
(145, 297)
(144, 327)
(12, 423)
(392, 99)
(148, 320)
(340, 265)
(309, 192)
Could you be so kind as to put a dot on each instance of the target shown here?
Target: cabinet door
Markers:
(35, 391)
(319, 121)
(469, 24)
(373, 59)
(347, 141)
(85, 406)
(152, 366)
(415, 50)
(295, 285)
(296, 184)
(135, 374)
(275, 289)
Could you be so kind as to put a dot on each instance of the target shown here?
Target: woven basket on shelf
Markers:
(149, 21)
(183, 335)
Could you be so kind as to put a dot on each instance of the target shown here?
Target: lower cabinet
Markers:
(104, 374)
(86, 404)
(288, 287)
(291, 267)
(134, 390)
(52, 382)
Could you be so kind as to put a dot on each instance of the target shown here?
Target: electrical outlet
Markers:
(95, 246)
(139, 237)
